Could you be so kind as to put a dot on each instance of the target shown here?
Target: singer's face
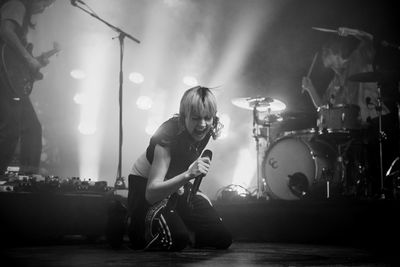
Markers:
(198, 125)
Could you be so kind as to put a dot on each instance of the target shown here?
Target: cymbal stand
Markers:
(256, 133)
(380, 139)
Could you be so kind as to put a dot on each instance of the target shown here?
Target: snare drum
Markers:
(339, 118)
(295, 164)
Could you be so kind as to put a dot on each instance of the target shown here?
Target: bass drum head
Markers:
(287, 159)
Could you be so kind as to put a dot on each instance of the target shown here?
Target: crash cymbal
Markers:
(261, 103)
(377, 76)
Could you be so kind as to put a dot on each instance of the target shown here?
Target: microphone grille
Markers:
(207, 154)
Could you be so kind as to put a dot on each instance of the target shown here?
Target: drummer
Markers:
(346, 58)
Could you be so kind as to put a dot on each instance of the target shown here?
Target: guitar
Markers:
(156, 228)
(16, 71)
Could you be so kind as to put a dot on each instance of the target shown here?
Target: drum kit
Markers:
(322, 162)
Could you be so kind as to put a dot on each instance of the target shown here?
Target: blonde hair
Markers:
(200, 100)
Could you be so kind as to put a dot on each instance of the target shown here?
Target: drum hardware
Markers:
(394, 178)
(389, 171)
(256, 135)
(382, 136)
(298, 184)
(272, 107)
(380, 77)
(361, 181)
(342, 164)
(327, 175)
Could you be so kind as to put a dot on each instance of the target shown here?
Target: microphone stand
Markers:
(121, 37)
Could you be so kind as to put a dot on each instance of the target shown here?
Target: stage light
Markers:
(151, 127)
(226, 121)
(87, 129)
(78, 74)
(245, 169)
(80, 98)
(144, 102)
(136, 77)
(190, 81)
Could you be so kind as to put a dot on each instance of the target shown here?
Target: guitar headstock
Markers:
(44, 57)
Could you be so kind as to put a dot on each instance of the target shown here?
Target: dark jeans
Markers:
(180, 219)
(18, 121)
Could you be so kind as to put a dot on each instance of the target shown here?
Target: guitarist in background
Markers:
(163, 217)
(18, 119)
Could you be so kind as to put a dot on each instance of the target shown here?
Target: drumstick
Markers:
(310, 69)
(312, 65)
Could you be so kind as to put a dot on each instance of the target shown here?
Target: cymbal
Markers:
(377, 76)
(261, 103)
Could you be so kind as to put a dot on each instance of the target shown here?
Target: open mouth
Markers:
(198, 132)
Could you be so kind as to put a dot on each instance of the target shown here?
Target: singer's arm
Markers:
(157, 188)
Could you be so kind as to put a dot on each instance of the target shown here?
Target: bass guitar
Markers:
(17, 73)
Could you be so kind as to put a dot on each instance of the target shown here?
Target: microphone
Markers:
(196, 184)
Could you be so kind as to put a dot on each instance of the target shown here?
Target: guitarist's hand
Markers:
(43, 60)
(200, 166)
(34, 64)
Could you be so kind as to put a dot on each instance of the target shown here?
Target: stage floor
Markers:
(240, 254)
(340, 232)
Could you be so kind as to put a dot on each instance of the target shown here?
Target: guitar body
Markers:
(17, 74)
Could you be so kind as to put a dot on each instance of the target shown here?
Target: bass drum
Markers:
(297, 166)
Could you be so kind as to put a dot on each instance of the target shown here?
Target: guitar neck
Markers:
(48, 54)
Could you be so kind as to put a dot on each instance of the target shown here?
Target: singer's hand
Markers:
(200, 166)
